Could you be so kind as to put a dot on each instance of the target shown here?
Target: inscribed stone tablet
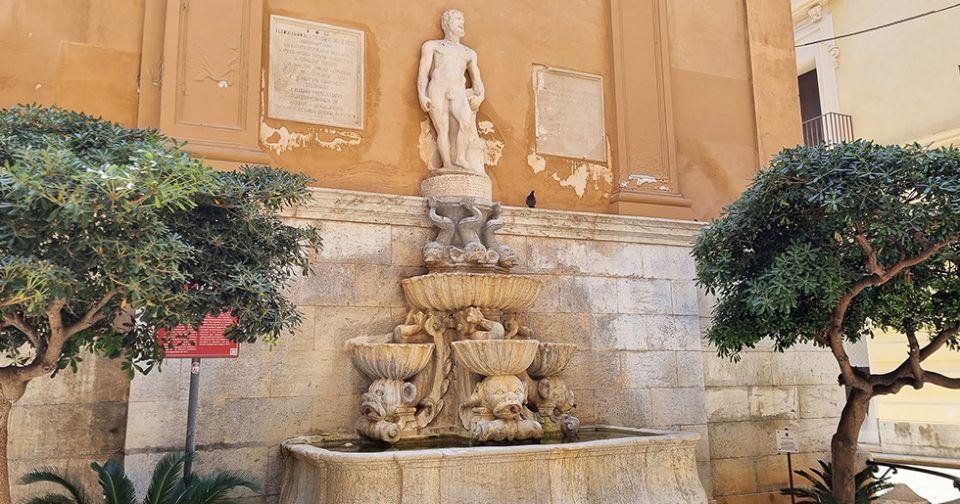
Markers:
(316, 73)
(570, 114)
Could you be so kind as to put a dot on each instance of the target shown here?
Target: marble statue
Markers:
(444, 95)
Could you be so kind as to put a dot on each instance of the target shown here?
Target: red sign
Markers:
(207, 341)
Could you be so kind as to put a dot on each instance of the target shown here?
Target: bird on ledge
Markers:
(531, 200)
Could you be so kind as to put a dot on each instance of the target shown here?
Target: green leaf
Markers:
(77, 495)
(117, 488)
(166, 477)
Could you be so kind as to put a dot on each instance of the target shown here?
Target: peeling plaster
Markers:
(427, 146)
(642, 178)
(492, 146)
(485, 127)
(581, 173)
(536, 163)
(281, 140)
(492, 151)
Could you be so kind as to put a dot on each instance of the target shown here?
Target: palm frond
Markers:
(50, 498)
(166, 476)
(77, 495)
(868, 485)
(214, 489)
(117, 487)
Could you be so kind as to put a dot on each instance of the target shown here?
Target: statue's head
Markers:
(452, 22)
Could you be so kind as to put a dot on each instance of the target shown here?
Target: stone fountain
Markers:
(465, 404)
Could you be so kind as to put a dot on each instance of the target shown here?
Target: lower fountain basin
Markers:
(616, 465)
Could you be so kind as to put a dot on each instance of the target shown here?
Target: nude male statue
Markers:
(441, 86)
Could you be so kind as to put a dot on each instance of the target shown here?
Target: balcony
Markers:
(831, 127)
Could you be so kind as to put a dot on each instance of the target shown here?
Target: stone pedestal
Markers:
(457, 183)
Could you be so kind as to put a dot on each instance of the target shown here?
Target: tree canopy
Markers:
(869, 228)
(829, 243)
(97, 220)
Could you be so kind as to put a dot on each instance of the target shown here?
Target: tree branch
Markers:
(46, 361)
(850, 377)
(873, 264)
(893, 387)
(16, 320)
(906, 369)
(914, 357)
(93, 315)
(943, 381)
(938, 341)
(11, 301)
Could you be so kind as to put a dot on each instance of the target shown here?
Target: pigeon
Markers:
(531, 200)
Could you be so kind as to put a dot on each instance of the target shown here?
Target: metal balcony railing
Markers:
(831, 127)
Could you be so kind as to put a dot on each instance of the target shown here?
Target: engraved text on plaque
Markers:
(570, 114)
(316, 73)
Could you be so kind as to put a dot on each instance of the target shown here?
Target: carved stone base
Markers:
(466, 238)
(636, 466)
(457, 183)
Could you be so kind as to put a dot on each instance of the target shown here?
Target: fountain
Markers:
(465, 404)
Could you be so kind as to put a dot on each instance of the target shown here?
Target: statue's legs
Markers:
(467, 126)
(440, 115)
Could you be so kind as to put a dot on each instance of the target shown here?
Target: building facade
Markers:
(895, 84)
(689, 102)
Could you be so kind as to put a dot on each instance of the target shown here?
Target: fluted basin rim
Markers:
(396, 361)
(457, 290)
(551, 359)
(495, 357)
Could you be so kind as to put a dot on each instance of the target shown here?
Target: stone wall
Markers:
(620, 287)
(67, 422)
(938, 440)
(747, 401)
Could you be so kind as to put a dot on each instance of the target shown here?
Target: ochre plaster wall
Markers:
(509, 38)
(725, 88)
(80, 54)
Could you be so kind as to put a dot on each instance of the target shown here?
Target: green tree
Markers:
(830, 243)
(108, 234)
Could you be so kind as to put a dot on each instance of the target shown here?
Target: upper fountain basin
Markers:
(455, 291)
(551, 359)
(495, 357)
(394, 361)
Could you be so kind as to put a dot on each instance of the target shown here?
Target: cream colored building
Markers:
(895, 84)
(696, 96)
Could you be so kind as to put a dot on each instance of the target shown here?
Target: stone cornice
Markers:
(807, 12)
(376, 208)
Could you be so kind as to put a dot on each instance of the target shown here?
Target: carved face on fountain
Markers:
(384, 397)
(503, 395)
(553, 392)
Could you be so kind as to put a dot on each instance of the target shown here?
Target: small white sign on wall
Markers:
(787, 441)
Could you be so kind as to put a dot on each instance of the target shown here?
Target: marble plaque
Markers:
(316, 73)
(570, 114)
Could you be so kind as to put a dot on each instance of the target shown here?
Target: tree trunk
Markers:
(10, 391)
(5, 407)
(844, 446)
